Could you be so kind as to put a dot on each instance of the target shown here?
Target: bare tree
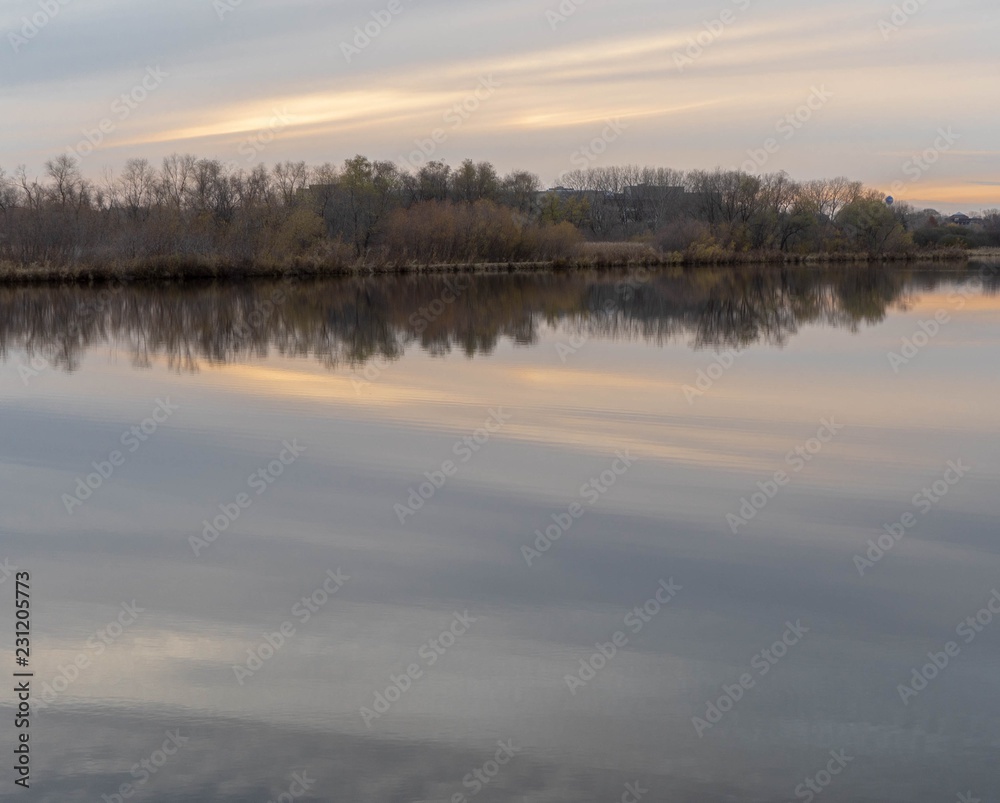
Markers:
(829, 196)
(64, 171)
(290, 179)
(777, 195)
(176, 177)
(32, 192)
(9, 192)
(137, 188)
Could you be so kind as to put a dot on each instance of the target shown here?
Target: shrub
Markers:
(681, 234)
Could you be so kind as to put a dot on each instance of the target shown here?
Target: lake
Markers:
(678, 535)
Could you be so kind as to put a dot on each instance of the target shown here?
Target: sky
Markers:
(900, 96)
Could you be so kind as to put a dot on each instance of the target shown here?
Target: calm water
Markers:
(360, 467)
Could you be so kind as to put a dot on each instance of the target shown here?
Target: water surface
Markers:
(639, 418)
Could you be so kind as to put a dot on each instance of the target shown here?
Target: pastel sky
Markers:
(251, 81)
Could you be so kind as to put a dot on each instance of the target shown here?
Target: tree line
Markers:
(365, 212)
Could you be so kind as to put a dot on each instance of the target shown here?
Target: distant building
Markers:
(651, 202)
(960, 220)
(654, 192)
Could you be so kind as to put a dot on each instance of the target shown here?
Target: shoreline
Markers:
(198, 269)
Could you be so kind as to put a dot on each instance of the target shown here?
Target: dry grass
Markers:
(336, 262)
(616, 254)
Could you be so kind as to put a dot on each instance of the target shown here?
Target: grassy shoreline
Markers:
(600, 255)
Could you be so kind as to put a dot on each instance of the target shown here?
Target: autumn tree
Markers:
(368, 190)
(872, 226)
(473, 182)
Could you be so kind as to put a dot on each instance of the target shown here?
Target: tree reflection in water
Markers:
(350, 321)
